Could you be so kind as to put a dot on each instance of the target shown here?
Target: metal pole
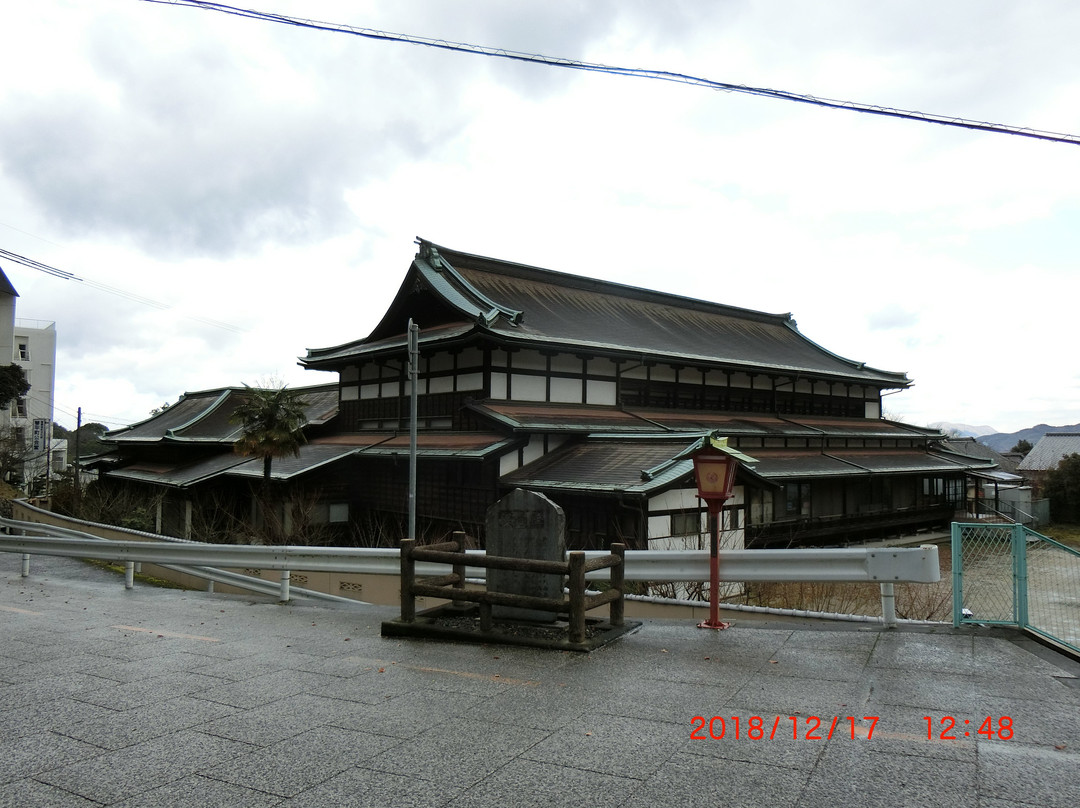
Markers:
(715, 509)
(414, 359)
(888, 605)
(286, 576)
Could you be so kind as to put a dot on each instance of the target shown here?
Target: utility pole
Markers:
(414, 373)
(75, 464)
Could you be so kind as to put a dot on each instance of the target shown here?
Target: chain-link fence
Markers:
(1011, 575)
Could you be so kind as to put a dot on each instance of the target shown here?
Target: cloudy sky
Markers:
(232, 192)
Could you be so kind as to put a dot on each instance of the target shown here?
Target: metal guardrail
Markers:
(850, 565)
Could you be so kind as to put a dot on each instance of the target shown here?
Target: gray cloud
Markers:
(192, 151)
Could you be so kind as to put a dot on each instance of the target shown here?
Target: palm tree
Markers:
(272, 420)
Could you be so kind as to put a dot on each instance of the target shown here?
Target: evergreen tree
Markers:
(1062, 488)
(272, 421)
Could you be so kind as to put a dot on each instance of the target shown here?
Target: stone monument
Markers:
(524, 524)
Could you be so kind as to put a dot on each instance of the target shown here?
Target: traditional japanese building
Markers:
(587, 391)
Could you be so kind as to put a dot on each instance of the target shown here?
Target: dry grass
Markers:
(1066, 534)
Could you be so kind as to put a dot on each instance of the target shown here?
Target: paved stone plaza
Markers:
(155, 697)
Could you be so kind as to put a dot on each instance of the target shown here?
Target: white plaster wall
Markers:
(528, 388)
(566, 391)
(597, 392)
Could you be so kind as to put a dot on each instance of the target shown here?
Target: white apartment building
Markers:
(28, 420)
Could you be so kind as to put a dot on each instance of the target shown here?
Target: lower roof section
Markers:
(638, 465)
(579, 418)
(313, 456)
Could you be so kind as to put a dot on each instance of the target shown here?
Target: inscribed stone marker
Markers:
(524, 524)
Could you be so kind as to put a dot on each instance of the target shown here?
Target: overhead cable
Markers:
(660, 75)
(146, 301)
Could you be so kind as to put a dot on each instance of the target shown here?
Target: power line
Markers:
(146, 301)
(660, 75)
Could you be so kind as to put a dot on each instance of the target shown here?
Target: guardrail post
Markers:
(286, 576)
(26, 565)
(577, 597)
(408, 579)
(888, 605)
(618, 579)
(459, 569)
(129, 574)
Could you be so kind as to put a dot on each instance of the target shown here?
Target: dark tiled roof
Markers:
(428, 444)
(5, 285)
(606, 466)
(971, 448)
(180, 475)
(524, 305)
(582, 418)
(1049, 451)
(206, 417)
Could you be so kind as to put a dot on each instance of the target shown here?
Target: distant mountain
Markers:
(963, 430)
(1003, 441)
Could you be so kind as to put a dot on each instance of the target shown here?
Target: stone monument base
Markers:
(452, 623)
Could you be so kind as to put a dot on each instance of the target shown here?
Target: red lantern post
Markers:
(714, 470)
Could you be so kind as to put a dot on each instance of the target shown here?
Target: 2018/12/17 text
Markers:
(756, 728)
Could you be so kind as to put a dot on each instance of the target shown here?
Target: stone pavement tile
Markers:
(47, 665)
(624, 747)
(942, 693)
(693, 664)
(148, 721)
(817, 663)
(482, 658)
(236, 668)
(264, 688)
(393, 678)
(59, 714)
(38, 752)
(298, 763)
(365, 788)
(855, 774)
(374, 686)
(462, 750)
(129, 695)
(795, 695)
(406, 716)
(905, 731)
(272, 723)
(689, 779)
(114, 776)
(729, 744)
(1030, 775)
(147, 667)
(543, 705)
(343, 664)
(195, 791)
(1022, 684)
(836, 637)
(990, 802)
(528, 784)
(671, 702)
(1033, 723)
(938, 653)
(29, 793)
(30, 689)
(1001, 657)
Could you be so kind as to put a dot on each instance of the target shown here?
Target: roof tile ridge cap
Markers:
(790, 323)
(171, 433)
(429, 253)
(600, 285)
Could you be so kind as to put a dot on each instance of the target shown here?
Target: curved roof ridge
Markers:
(584, 282)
